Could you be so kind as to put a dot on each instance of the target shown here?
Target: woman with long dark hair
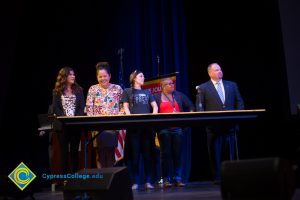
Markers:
(68, 100)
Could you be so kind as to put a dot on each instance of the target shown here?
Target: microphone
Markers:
(198, 88)
(120, 51)
(199, 105)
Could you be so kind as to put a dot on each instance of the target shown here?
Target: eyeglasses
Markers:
(171, 83)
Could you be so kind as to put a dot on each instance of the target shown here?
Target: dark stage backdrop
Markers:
(39, 37)
(79, 34)
(246, 40)
(290, 18)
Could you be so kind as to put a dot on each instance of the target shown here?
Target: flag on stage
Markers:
(119, 151)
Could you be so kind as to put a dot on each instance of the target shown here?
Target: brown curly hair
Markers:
(61, 82)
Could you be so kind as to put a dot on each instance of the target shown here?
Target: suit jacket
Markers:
(208, 99)
(59, 111)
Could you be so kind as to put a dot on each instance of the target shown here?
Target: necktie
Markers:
(220, 92)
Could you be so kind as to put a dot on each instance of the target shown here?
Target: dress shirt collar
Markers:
(215, 82)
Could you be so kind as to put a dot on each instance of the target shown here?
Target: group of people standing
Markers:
(105, 98)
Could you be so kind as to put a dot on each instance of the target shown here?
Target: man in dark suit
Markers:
(218, 95)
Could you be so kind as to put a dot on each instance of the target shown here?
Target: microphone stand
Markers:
(87, 142)
(121, 73)
(157, 57)
(199, 105)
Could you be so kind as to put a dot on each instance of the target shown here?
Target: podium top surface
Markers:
(160, 119)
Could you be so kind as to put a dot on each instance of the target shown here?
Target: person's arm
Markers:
(57, 111)
(126, 108)
(81, 103)
(121, 106)
(125, 100)
(187, 103)
(90, 103)
(154, 107)
(57, 107)
(157, 99)
(153, 103)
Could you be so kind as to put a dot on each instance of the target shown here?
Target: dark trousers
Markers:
(170, 141)
(106, 156)
(221, 146)
(141, 143)
(107, 141)
(69, 137)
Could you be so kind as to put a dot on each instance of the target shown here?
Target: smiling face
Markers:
(71, 78)
(103, 78)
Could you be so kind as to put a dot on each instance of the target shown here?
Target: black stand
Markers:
(87, 142)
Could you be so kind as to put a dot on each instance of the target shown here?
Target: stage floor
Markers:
(192, 191)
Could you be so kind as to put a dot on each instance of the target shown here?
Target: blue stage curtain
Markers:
(152, 33)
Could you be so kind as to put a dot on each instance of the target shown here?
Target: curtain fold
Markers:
(152, 32)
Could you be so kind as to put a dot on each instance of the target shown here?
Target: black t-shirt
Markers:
(139, 100)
